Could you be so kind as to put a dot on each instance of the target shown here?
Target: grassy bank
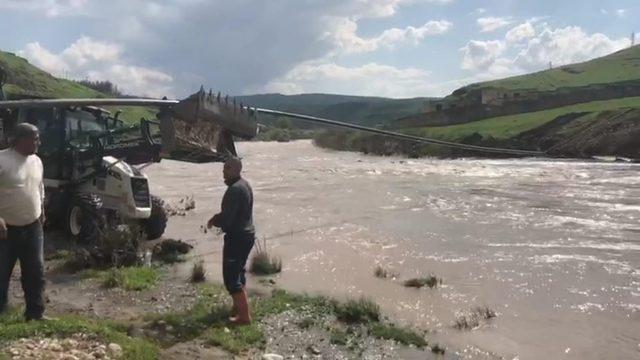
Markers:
(505, 127)
(347, 322)
(611, 116)
(13, 327)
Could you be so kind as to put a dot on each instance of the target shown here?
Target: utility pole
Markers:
(633, 38)
(550, 65)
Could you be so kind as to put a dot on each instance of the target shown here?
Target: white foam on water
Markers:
(619, 246)
(611, 266)
(611, 206)
(588, 307)
(562, 220)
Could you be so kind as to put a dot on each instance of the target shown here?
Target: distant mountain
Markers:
(366, 110)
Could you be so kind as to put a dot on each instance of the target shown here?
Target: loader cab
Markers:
(75, 139)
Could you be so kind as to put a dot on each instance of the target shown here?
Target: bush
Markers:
(262, 263)
(401, 335)
(472, 319)
(198, 272)
(236, 339)
(131, 278)
(430, 281)
(169, 251)
(358, 311)
(383, 273)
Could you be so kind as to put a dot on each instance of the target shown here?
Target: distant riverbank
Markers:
(584, 135)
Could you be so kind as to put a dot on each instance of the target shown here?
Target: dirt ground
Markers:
(78, 294)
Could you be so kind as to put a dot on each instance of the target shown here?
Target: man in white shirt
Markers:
(21, 217)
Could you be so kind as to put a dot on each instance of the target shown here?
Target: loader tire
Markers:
(85, 220)
(155, 225)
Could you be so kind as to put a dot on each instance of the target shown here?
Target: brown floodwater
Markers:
(552, 246)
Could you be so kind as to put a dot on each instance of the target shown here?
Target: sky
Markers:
(391, 48)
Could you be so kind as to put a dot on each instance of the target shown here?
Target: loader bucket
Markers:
(201, 128)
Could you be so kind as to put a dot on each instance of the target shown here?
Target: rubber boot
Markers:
(240, 298)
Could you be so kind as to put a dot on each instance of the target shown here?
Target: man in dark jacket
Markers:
(236, 221)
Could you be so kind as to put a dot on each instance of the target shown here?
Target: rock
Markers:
(272, 357)
(69, 357)
(115, 350)
(314, 350)
(135, 331)
(69, 343)
(271, 281)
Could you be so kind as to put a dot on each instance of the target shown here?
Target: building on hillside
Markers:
(498, 97)
(479, 98)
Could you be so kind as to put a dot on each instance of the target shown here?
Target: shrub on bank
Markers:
(262, 263)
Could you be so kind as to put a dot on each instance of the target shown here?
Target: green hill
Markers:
(372, 111)
(620, 66)
(595, 103)
(27, 81)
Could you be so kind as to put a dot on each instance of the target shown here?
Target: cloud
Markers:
(565, 46)
(478, 11)
(528, 48)
(95, 60)
(227, 45)
(346, 39)
(480, 55)
(621, 13)
(49, 8)
(369, 79)
(521, 32)
(488, 24)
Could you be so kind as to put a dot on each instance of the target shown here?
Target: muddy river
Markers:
(552, 246)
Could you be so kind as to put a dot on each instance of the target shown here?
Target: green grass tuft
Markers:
(236, 339)
(130, 278)
(437, 349)
(358, 311)
(338, 337)
(429, 281)
(262, 263)
(401, 335)
(12, 327)
(198, 272)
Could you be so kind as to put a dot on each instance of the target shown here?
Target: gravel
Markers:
(75, 347)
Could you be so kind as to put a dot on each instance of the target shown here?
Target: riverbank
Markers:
(601, 128)
(157, 313)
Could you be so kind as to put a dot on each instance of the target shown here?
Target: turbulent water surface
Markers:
(552, 246)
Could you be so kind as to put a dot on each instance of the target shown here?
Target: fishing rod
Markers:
(400, 136)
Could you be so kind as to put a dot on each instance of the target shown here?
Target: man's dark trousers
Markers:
(24, 243)
(234, 259)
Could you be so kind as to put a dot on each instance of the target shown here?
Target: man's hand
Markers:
(3, 229)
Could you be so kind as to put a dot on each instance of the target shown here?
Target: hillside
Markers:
(596, 104)
(372, 111)
(620, 66)
(25, 81)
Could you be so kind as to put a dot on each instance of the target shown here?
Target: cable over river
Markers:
(552, 246)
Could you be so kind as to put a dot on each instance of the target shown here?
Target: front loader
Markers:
(93, 161)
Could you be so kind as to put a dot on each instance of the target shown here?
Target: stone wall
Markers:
(545, 100)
